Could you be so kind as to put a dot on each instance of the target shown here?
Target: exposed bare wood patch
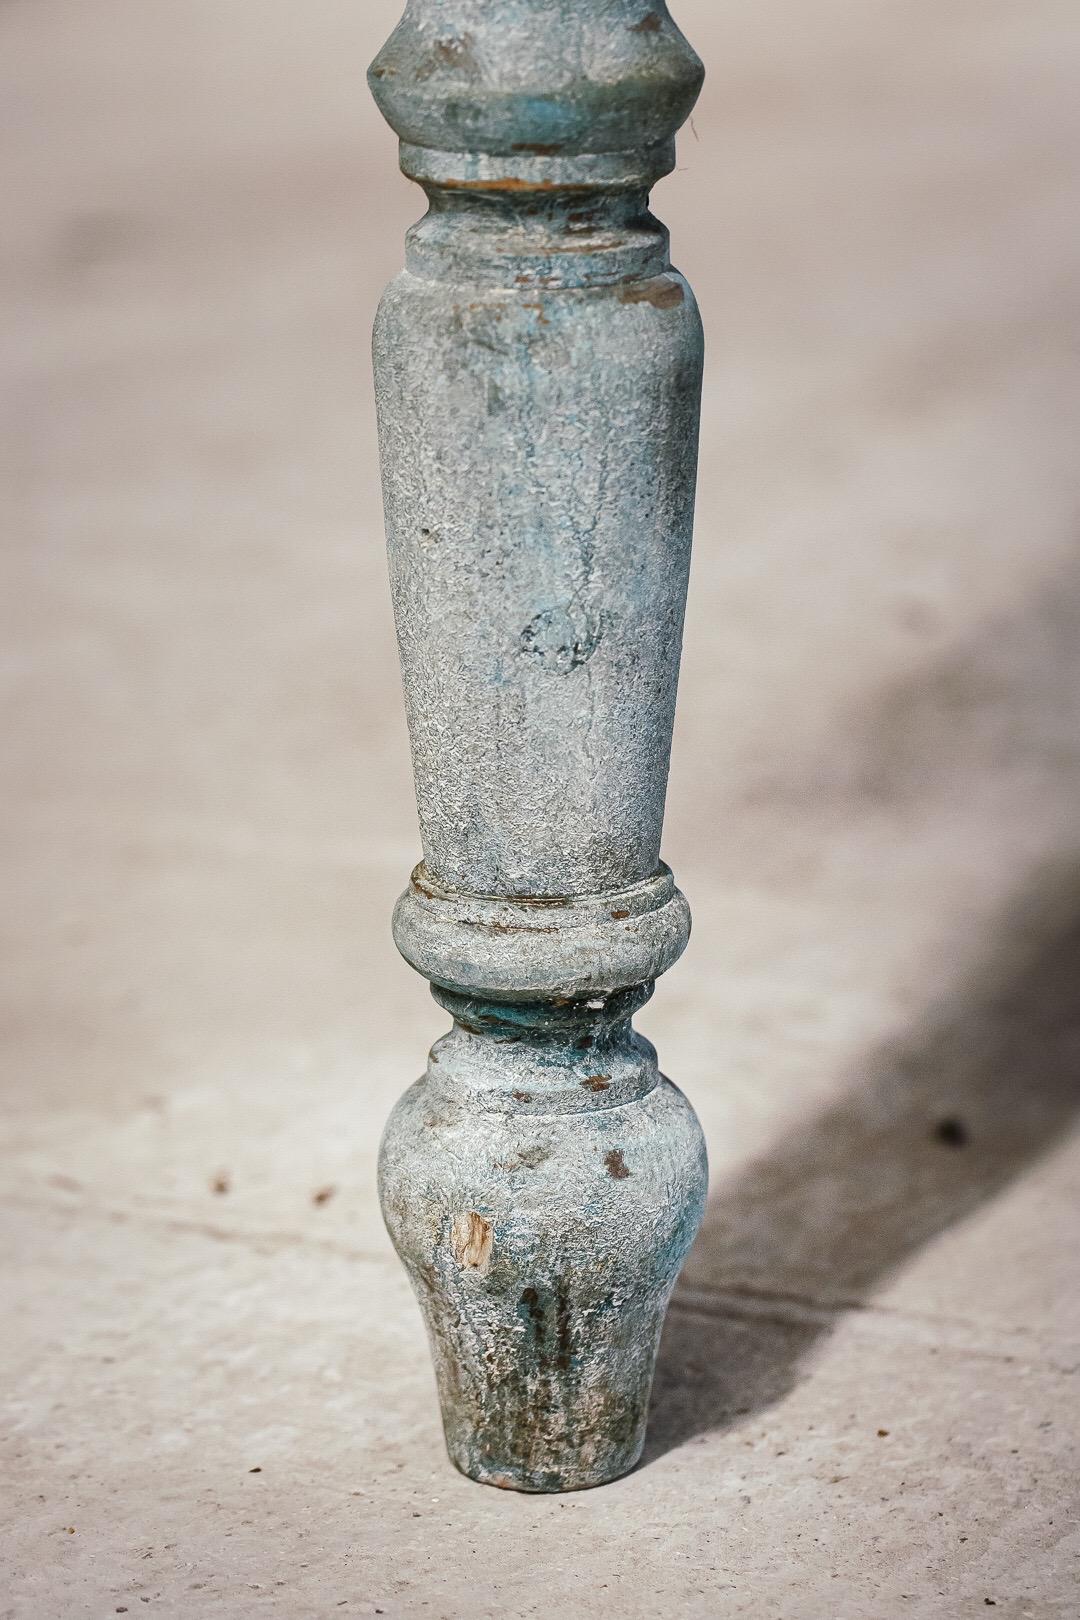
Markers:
(471, 1238)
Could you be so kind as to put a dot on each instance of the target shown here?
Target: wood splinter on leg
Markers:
(471, 1239)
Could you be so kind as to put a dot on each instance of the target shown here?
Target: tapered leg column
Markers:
(538, 370)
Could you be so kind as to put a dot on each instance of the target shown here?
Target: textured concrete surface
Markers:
(216, 1395)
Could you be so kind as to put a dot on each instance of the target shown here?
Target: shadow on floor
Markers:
(935, 1127)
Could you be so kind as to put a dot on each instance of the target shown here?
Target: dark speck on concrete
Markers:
(952, 1132)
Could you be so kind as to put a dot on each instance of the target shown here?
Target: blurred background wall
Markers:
(208, 800)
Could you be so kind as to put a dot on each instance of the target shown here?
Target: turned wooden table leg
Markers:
(538, 373)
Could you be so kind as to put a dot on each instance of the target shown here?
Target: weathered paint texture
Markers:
(538, 375)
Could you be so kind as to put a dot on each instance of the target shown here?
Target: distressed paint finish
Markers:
(538, 375)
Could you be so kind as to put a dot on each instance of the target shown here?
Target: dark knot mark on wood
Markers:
(471, 1239)
(562, 637)
(560, 1354)
(616, 1165)
(662, 292)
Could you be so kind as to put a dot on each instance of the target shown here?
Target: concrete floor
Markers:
(217, 1397)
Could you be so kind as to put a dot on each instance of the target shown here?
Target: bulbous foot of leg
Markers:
(543, 1246)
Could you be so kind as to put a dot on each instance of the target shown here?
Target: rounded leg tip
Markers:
(552, 1481)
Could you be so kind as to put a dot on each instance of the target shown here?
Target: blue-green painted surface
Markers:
(538, 370)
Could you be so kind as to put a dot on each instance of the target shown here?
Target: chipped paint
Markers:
(471, 1239)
